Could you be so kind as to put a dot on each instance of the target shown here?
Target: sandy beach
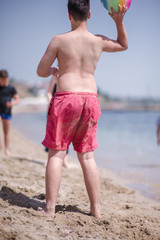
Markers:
(126, 215)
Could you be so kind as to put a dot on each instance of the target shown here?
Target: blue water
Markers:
(128, 138)
(127, 145)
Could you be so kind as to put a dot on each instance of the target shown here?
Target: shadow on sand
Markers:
(20, 200)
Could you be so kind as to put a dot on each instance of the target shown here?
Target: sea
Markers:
(127, 145)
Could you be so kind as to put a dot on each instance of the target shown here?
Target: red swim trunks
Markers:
(72, 117)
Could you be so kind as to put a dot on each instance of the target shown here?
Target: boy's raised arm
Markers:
(44, 68)
(121, 43)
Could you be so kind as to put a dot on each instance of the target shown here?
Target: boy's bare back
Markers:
(78, 52)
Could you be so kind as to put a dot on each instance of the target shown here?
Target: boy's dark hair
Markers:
(3, 74)
(79, 9)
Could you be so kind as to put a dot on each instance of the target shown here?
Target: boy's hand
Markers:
(54, 71)
(118, 17)
(14, 102)
(8, 104)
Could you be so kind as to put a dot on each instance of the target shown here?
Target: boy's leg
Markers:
(53, 179)
(6, 130)
(91, 177)
(65, 161)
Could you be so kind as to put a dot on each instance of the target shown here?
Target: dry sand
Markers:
(125, 214)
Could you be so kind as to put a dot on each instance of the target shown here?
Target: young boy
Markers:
(74, 111)
(7, 92)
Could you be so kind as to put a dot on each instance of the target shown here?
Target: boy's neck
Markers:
(78, 25)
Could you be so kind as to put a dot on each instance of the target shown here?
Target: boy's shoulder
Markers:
(61, 36)
(65, 40)
(10, 86)
(72, 33)
(68, 36)
(12, 89)
(8, 89)
(57, 39)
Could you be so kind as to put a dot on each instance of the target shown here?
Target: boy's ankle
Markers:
(50, 207)
(95, 210)
(49, 211)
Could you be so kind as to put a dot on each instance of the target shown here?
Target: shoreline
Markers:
(125, 213)
(32, 104)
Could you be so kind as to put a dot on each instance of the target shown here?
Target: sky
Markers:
(26, 28)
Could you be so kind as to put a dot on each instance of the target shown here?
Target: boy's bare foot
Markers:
(97, 215)
(95, 211)
(49, 212)
(7, 152)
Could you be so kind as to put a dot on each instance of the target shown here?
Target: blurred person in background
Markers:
(7, 93)
(158, 130)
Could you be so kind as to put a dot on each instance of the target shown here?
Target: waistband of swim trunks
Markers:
(75, 93)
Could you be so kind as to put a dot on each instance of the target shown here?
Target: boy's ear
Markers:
(69, 16)
(89, 14)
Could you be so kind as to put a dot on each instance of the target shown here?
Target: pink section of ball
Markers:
(128, 3)
(114, 4)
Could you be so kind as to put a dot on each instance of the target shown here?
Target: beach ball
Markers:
(114, 3)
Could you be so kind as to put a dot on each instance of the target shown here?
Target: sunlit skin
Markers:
(78, 52)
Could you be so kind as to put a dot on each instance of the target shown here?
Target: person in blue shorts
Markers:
(158, 130)
(7, 93)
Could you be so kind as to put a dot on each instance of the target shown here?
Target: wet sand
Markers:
(126, 215)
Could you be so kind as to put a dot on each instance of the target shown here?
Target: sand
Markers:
(125, 214)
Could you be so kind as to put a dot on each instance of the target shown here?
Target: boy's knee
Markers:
(57, 153)
(85, 156)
